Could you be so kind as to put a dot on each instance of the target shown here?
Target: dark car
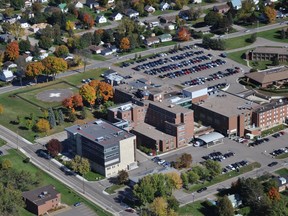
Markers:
(1, 153)
(273, 164)
(202, 189)
(77, 204)
(276, 135)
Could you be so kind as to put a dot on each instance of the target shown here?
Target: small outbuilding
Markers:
(212, 138)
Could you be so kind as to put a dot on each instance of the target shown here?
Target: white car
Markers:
(161, 162)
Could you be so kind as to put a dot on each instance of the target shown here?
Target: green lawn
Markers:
(237, 56)
(113, 188)
(92, 176)
(273, 130)
(226, 176)
(15, 106)
(282, 172)
(168, 43)
(282, 156)
(2, 142)
(273, 35)
(68, 196)
(198, 208)
(237, 42)
(139, 49)
(98, 57)
(159, 12)
(31, 94)
(260, 65)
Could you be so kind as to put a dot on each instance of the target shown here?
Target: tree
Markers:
(80, 165)
(159, 206)
(70, 26)
(60, 117)
(77, 101)
(213, 167)
(224, 207)
(103, 2)
(1, 109)
(125, 44)
(278, 208)
(24, 45)
(88, 93)
(83, 113)
(34, 69)
(54, 65)
(274, 194)
(270, 13)
(61, 51)
(29, 124)
(122, 177)
(97, 37)
(10, 201)
(201, 171)
(72, 117)
(6, 164)
(183, 34)
(45, 42)
(175, 180)
(12, 51)
(54, 147)
(212, 18)
(103, 90)
(42, 125)
(16, 30)
(193, 177)
(184, 178)
(173, 203)
(88, 20)
(185, 160)
(68, 103)
(51, 118)
(17, 4)
(252, 38)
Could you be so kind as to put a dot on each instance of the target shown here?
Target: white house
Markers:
(101, 19)
(131, 13)
(92, 4)
(110, 1)
(116, 16)
(164, 6)
(43, 54)
(28, 4)
(6, 75)
(149, 9)
(78, 4)
(24, 24)
(165, 37)
(42, 1)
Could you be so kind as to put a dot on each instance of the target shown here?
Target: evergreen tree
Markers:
(51, 118)
(60, 117)
(224, 207)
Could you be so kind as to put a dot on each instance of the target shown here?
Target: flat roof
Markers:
(207, 138)
(151, 131)
(195, 88)
(41, 195)
(271, 105)
(227, 104)
(100, 132)
(271, 50)
(172, 108)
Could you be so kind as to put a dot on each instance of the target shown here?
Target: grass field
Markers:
(198, 208)
(282, 172)
(237, 56)
(2, 142)
(237, 42)
(14, 106)
(31, 95)
(113, 188)
(273, 35)
(68, 196)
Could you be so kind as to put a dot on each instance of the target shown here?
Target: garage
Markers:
(211, 139)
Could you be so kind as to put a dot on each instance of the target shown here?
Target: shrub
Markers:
(26, 160)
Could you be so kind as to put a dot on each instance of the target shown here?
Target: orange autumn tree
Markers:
(274, 194)
(88, 93)
(68, 103)
(88, 20)
(77, 101)
(12, 51)
(34, 69)
(183, 34)
(270, 13)
(53, 65)
(104, 91)
(125, 44)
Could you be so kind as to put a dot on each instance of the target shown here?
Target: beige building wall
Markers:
(127, 156)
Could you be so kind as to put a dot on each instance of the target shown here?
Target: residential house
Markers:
(106, 52)
(184, 14)
(169, 26)
(235, 200)
(28, 4)
(149, 9)
(96, 49)
(63, 7)
(151, 40)
(78, 4)
(221, 8)
(282, 183)
(116, 16)
(167, 19)
(237, 4)
(165, 37)
(6, 75)
(43, 54)
(42, 200)
(24, 24)
(92, 4)
(108, 148)
(101, 19)
(164, 6)
(131, 13)
(110, 1)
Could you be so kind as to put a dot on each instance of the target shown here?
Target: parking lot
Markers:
(189, 66)
(82, 210)
(241, 153)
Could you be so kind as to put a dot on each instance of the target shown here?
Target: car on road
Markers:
(77, 204)
(43, 153)
(131, 210)
(274, 163)
(276, 135)
(202, 189)
(160, 162)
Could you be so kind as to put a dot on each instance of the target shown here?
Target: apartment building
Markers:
(227, 118)
(266, 53)
(108, 148)
(270, 114)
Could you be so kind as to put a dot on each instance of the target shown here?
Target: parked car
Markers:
(202, 189)
(274, 163)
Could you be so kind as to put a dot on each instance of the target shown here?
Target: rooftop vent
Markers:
(119, 132)
(98, 139)
(45, 192)
(98, 122)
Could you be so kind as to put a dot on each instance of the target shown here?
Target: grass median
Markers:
(225, 176)
(68, 196)
(113, 188)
